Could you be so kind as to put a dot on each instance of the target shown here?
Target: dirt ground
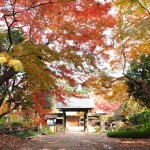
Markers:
(72, 141)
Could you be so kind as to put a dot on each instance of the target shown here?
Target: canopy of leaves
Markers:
(140, 71)
(57, 44)
(73, 37)
(132, 33)
(11, 90)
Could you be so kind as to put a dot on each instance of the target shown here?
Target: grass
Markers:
(129, 134)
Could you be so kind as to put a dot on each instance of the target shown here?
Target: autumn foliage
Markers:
(46, 42)
(58, 44)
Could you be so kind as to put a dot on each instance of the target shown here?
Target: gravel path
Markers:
(86, 141)
(73, 141)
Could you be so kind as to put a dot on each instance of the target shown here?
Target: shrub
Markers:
(25, 134)
(146, 126)
(16, 124)
(129, 134)
(140, 118)
(30, 133)
(46, 130)
(2, 121)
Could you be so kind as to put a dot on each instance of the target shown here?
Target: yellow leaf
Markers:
(2, 60)
(16, 64)
(4, 57)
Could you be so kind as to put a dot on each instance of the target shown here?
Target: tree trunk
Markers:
(7, 75)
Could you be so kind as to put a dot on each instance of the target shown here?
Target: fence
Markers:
(16, 129)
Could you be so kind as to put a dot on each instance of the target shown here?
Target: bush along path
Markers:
(135, 134)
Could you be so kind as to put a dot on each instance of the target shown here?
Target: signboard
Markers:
(51, 122)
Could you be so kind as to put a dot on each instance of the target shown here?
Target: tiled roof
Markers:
(74, 103)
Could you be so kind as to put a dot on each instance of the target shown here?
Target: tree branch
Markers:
(7, 75)
(9, 27)
(35, 6)
(140, 3)
(5, 113)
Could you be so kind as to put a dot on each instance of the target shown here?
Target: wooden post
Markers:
(86, 121)
(64, 121)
